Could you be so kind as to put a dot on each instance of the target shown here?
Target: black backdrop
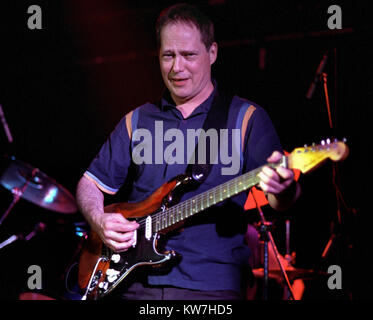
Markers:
(63, 88)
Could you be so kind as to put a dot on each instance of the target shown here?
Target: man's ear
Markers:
(213, 52)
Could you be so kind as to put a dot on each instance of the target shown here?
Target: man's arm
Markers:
(90, 202)
(114, 230)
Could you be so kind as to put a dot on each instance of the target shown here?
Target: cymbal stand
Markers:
(266, 237)
(17, 194)
(39, 227)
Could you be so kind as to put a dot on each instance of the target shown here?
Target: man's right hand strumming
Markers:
(115, 231)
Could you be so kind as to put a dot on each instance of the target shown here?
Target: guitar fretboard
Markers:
(188, 208)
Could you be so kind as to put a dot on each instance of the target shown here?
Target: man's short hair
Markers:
(183, 12)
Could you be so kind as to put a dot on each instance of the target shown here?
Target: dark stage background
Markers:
(63, 89)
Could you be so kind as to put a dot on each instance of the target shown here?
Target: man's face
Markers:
(185, 62)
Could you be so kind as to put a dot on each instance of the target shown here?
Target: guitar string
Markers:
(183, 211)
(235, 183)
(164, 216)
(216, 191)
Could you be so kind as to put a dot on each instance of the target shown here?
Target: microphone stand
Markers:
(335, 227)
(266, 237)
(322, 76)
(333, 236)
(288, 257)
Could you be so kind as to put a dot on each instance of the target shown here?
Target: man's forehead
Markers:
(187, 26)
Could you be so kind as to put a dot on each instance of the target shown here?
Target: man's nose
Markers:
(178, 64)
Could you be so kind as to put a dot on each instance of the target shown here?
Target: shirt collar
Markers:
(204, 107)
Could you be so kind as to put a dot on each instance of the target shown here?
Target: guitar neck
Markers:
(188, 208)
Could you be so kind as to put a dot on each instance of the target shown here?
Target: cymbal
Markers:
(41, 189)
(292, 273)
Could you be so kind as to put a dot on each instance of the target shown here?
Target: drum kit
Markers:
(26, 182)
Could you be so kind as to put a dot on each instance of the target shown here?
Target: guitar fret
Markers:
(178, 215)
(164, 221)
(206, 199)
(172, 216)
(182, 212)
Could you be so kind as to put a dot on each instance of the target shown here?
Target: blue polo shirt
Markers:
(212, 242)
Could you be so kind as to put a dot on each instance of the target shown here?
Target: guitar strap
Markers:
(217, 118)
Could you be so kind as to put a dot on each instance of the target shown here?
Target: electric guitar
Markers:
(101, 269)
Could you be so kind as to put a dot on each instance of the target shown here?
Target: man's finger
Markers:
(270, 173)
(118, 236)
(285, 174)
(275, 156)
(120, 246)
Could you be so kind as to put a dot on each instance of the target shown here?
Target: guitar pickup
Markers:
(148, 228)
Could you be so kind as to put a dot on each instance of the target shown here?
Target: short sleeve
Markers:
(109, 168)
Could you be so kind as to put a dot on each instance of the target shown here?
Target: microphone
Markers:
(5, 125)
(317, 76)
